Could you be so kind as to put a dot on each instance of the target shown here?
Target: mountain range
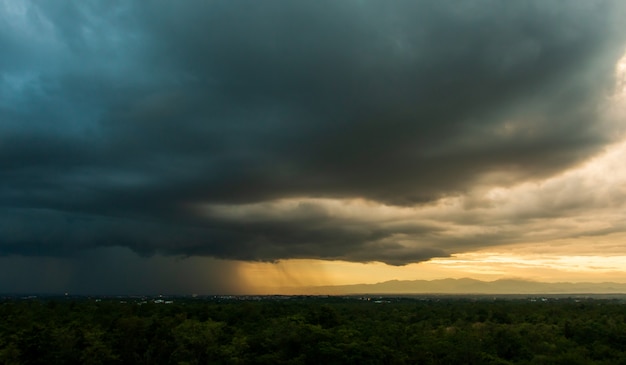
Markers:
(468, 286)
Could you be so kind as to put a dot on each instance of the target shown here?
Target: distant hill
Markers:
(468, 286)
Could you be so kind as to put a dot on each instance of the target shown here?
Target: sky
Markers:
(206, 146)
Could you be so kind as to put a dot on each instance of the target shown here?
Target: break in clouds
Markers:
(352, 130)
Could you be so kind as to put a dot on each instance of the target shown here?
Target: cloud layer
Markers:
(265, 131)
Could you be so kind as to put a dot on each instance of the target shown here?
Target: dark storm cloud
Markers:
(117, 117)
(119, 271)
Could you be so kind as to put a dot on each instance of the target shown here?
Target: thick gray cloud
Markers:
(119, 119)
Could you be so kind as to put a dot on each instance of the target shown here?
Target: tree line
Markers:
(312, 331)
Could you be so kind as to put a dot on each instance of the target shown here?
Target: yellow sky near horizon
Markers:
(286, 275)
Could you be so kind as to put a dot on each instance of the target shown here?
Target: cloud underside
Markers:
(333, 130)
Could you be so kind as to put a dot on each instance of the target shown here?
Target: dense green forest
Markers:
(312, 330)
